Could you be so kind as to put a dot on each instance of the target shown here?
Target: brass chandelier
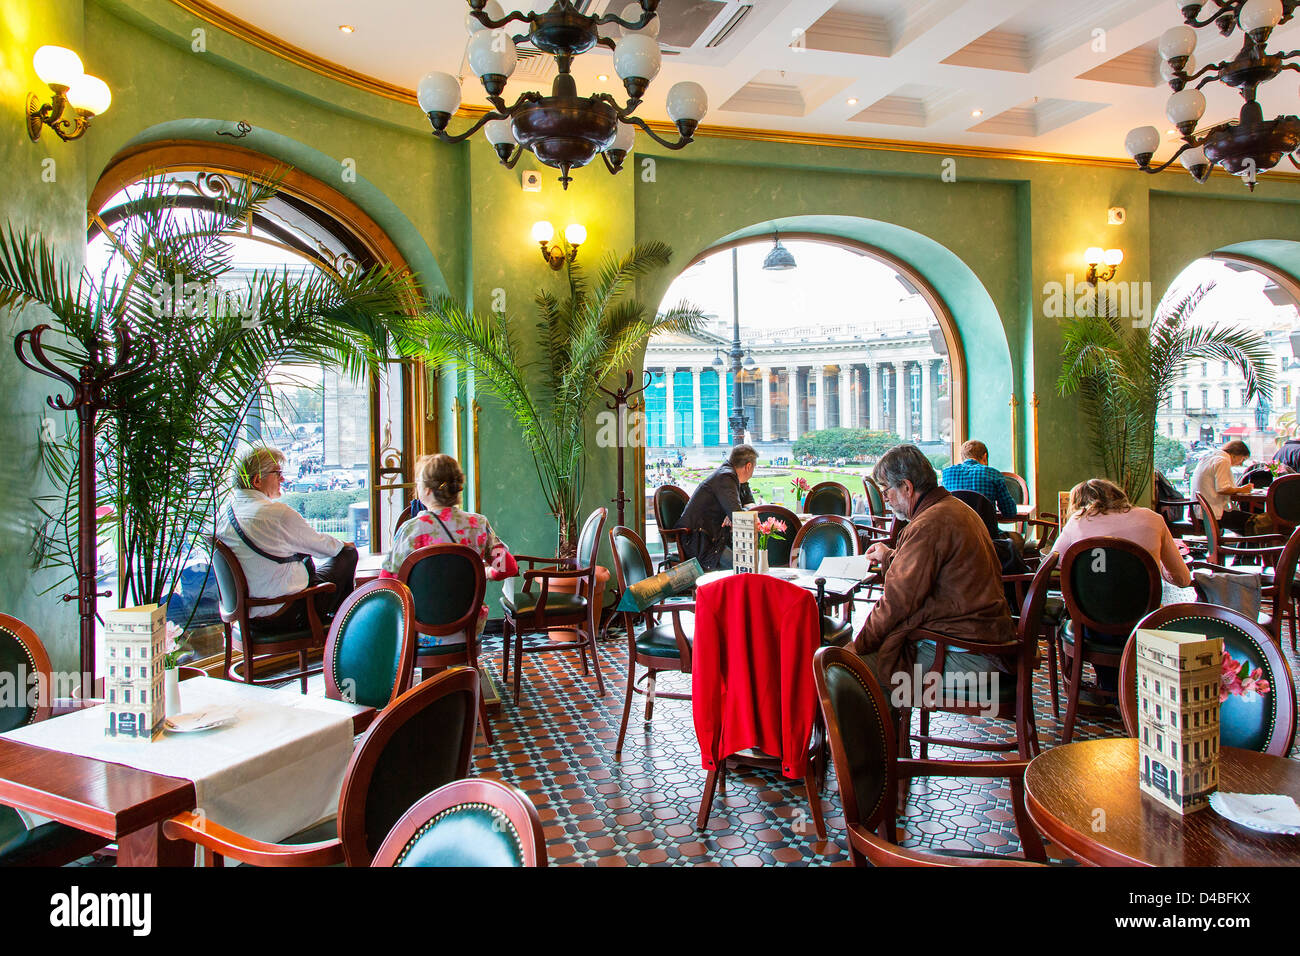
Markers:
(1248, 145)
(564, 130)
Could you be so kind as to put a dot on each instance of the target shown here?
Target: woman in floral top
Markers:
(438, 484)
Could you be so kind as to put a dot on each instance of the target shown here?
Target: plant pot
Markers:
(570, 586)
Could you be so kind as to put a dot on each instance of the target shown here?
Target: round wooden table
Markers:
(1084, 796)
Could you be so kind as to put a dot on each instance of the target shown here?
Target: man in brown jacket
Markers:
(943, 575)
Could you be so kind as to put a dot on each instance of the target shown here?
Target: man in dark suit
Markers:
(723, 492)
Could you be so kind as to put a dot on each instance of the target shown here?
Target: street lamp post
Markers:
(738, 420)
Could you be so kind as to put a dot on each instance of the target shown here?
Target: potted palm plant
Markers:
(581, 339)
(1122, 372)
(162, 449)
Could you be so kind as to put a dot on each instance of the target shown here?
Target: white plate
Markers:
(1219, 805)
(202, 720)
(785, 574)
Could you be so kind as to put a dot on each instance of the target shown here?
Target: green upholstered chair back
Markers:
(1266, 724)
(232, 587)
(470, 823)
(447, 583)
(828, 498)
(370, 651)
(1017, 486)
(778, 549)
(26, 666)
(1109, 584)
(861, 735)
(669, 503)
(824, 537)
(875, 498)
(420, 742)
(631, 561)
(589, 538)
(1283, 502)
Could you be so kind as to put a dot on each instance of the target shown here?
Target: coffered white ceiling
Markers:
(1052, 76)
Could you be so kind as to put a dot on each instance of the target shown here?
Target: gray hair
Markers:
(742, 455)
(255, 463)
(905, 463)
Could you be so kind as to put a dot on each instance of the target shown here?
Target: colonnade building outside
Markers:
(889, 373)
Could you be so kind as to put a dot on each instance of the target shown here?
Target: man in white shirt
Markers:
(1213, 479)
(271, 541)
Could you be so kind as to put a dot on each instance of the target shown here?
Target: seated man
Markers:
(274, 544)
(1213, 479)
(1289, 455)
(975, 474)
(943, 575)
(717, 496)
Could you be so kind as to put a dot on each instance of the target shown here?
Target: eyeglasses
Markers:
(276, 472)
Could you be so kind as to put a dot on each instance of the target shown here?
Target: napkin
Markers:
(1271, 808)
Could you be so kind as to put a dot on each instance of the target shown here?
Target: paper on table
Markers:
(1278, 809)
(851, 568)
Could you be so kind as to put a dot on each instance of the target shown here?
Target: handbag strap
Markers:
(278, 559)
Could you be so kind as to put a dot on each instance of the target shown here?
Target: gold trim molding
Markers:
(276, 46)
(475, 408)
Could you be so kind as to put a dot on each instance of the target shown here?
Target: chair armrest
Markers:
(530, 576)
(915, 767)
(326, 588)
(980, 647)
(219, 839)
(551, 561)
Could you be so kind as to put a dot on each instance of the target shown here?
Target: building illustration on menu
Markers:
(133, 686)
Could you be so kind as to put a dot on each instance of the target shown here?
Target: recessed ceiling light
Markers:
(347, 28)
(977, 113)
(603, 77)
(853, 101)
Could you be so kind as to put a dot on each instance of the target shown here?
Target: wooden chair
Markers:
(1014, 702)
(1108, 584)
(779, 549)
(823, 537)
(669, 503)
(1018, 487)
(468, 823)
(864, 747)
(528, 611)
(234, 604)
(370, 651)
(879, 524)
(1221, 549)
(448, 583)
(422, 741)
(26, 665)
(658, 647)
(1282, 503)
(1266, 724)
(828, 498)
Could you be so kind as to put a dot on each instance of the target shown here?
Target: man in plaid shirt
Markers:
(974, 474)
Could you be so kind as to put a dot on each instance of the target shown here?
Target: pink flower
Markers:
(426, 518)
(423, 540)
(473, 521)
(1236, 681)
(445, 514)
(482, 537)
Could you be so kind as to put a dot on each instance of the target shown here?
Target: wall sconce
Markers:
(1094, 257)
(87, 96)
(558, 253)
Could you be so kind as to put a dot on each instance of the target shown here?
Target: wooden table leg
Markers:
(148, 847)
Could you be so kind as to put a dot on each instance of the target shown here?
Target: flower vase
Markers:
(172, 691)
(760, 561)
(798, 504)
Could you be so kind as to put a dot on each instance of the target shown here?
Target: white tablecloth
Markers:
(276, 770)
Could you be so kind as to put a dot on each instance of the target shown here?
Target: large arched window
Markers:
(850, 338)
(1208, 404)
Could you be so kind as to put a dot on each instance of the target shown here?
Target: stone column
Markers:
(792, 392)
(874, 392)
(697, 411)
(767, 404)
(904, 389)
(820, 372)
(670, 426)
(927, 400)
(846, 406)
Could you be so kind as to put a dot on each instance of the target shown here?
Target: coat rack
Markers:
(88, 400)
(621, 398)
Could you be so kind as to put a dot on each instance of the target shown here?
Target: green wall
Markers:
(989, 234)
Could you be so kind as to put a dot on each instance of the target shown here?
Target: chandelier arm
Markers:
(609, 163)
(514, 158)
(491, 24)
(624, 112)
(1206, 69)
(667, 144)
(1159, 169)
(486, 118)
(646, 17)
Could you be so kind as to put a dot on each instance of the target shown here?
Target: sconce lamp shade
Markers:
(492, 53)
(575, 234)
(637, 55)
(1192, 159)
(1177, 41)
(1094, 255)
(624, 137)
(1260, 15)
(90, 94)
(439, 93)
(543, 231)
(687, 101)
(633, 12)
(1185, 106)
(499, 131)
(493, 10)
(57, 66)
(1114, 257)
(1142, 141)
